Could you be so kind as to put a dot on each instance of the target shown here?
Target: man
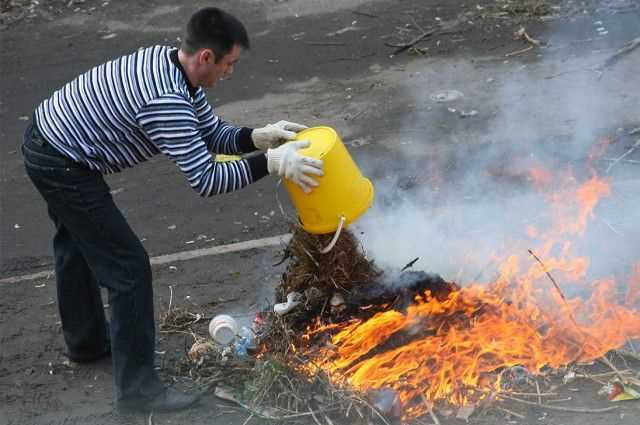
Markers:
(118, 115)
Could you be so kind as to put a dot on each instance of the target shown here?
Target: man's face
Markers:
(214, 71)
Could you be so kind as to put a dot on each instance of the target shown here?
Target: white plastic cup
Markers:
(223, 329)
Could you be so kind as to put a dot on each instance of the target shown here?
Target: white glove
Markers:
(285, 161)
(273, 135)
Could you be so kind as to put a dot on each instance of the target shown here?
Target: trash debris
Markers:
(198, 349)
(223, 329)
(337, 303)
(443, 96)
(246, 341)
(569, 377)
(172, 227)
(16, 226)
(109, 36)
(617, 391)
(293, 300)
(522, 34)
(466, 114)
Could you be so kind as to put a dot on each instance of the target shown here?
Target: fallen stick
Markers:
(628, 353)
(510, 412)
(629, 161)
(430, 408)
(621, 157)
(368, 15)
(557, 288)
(560, 408)
(604, 359)
(404, 46)
(518, 52)
(626, 49)
(325, 43)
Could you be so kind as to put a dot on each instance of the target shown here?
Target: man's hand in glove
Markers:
(285, 161)
(273, 135)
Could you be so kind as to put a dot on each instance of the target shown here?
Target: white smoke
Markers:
(460, 196)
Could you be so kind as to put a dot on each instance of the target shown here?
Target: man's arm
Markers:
(220, 136)
(170, 121)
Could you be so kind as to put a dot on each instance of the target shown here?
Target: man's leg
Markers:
(80, 201)
(79, 301)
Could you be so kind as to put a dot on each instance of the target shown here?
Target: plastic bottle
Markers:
(245, 341)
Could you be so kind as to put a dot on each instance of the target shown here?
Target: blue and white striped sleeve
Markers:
(220, 136)
(171, 123)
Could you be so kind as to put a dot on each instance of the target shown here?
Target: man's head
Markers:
(212, 42)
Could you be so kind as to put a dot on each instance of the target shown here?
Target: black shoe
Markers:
(169, 400)
(84, 358)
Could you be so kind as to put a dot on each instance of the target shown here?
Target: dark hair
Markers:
(214, 29)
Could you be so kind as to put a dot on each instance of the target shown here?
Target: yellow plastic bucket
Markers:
(343, 190)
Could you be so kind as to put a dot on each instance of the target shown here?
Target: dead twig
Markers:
(557, 288)
(410, 264)
(604, 359)
(519, 52)
(624, 155)
(430, 408)
(368, 15)
(248, 419)
(628, 353)
(561, 408)
(521, 34)
(404, 46)
(325, 43)
(625, 50)
(510, 412)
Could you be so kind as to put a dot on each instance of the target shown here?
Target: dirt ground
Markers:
(312, 61)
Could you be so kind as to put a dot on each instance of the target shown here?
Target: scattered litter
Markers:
(16, 226)
(245, 342)
(109, 36)
(359, 142)
(617, 391)
(442, 96)
(569, 377)
(189, 242)
(452, 110)
(41, 285)
(23, 118)
(116, 191)
(172, 227)
(198, 349)
(293, 300)
(173, 268)
(466, 114)
(223, 329)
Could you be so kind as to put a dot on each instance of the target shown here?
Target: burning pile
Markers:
(449, 346)
(422, 344)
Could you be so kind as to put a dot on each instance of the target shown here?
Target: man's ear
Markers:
(207, 56)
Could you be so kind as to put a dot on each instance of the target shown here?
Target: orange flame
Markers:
(451, 350)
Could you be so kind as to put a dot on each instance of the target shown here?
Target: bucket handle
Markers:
(329, 247)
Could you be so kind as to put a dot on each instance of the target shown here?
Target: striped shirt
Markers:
(124, 111)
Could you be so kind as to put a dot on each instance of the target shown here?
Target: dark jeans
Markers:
(94, 246)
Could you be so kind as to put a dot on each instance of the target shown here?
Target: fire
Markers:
(452, 350)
